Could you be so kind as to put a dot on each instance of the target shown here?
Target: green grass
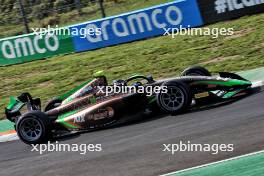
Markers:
(161, 57)
(90, 12)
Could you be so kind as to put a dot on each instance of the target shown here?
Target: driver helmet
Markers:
(119, 82)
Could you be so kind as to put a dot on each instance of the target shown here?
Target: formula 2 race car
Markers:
(88, 107)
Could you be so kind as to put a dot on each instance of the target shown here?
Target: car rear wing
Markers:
(12, 111)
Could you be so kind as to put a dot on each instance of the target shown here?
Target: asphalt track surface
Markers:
(136, 148)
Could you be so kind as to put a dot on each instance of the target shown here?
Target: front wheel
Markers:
(177, 98)
(196, 71)
(33, 127)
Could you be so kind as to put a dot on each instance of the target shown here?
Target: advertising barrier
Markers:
(30, 47)
(221, 10)
(138, 25)
(128, 27)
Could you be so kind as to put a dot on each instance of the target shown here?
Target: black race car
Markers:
(90, 106)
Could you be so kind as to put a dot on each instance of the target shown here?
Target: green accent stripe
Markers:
(61, 119)
(232, 82)
(14, 103)
(68, 125)
(231, 94)
(67, 94)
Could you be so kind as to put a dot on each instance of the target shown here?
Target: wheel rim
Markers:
(173, 100)
(30, 129)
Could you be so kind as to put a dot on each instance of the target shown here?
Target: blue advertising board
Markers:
(136, 25)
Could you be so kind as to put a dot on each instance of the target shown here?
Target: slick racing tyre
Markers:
(33, 127)
(196, 71)
(177, 99)
(54, 103)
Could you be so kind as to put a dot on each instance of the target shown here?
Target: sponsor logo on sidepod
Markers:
(107, 112)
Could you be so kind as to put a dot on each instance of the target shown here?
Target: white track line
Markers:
(217, 162)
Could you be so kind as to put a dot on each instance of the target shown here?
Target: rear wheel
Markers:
(196, 71)
(33, 127)
(177, 98)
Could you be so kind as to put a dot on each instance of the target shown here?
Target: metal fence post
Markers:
(23, 14)
(102, 8)
(78, 6)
